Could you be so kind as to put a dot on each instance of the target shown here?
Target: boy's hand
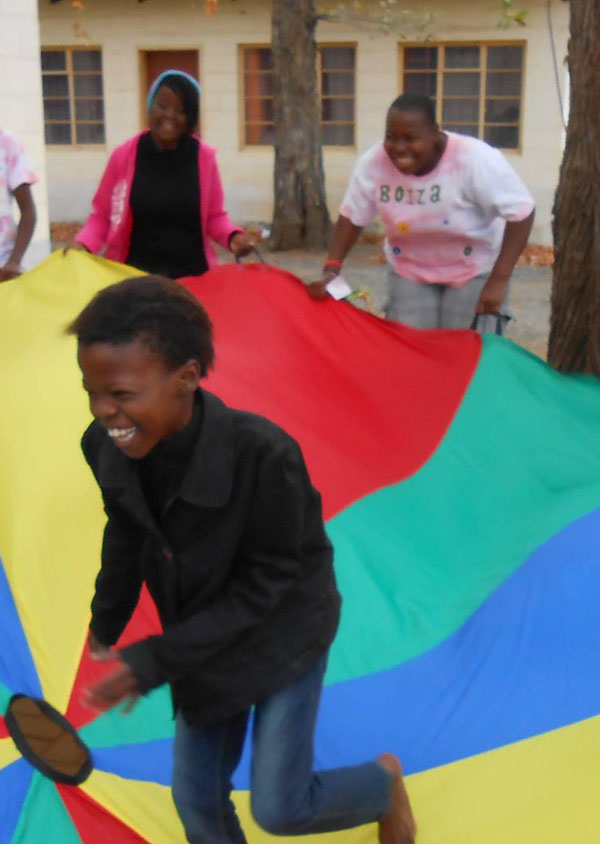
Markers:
(115, 687)
(98, 651)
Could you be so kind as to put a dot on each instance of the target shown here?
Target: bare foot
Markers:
(398, 826)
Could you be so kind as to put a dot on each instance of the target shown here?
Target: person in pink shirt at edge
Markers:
(160, 200)
(16, 178)
(456, 218)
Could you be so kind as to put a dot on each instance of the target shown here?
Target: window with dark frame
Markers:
(73, 96)
(258, 96)
(477, 88)
(336, 78)
(336, 88)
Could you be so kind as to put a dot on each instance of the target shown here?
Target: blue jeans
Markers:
(287, 797)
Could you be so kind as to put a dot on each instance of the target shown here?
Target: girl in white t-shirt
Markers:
(16, 178)
(455, 214)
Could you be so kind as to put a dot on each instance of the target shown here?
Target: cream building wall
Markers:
(21, 102)
(123, 28)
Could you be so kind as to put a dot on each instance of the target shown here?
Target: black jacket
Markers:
(244, 584)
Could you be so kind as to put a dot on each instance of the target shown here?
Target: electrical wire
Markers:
(555, 62)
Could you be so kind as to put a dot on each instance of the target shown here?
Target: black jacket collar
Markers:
(207, 482)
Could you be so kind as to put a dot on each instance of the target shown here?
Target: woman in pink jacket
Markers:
(160, 201)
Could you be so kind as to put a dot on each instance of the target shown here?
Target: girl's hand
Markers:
(75, 244)
(241, 244)
(10, 270)
(318, 289)
(492, 296)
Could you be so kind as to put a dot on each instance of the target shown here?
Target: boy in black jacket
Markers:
(214, 509)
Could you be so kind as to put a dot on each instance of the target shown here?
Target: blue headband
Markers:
(164, 75)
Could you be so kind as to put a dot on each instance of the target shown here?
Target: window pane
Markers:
(259, 84)
(90, 133)
(58, 133)
(420, 83)
(337, 135)
(268, 134)
(462, 56)
(337, 83)
(502, 111)
(461, 83)
(87, 60)
(54, 60)
(260, 135)
(460, 110)
(340, 109)
(463, 96)
(259, 111)
(76, 92)
(258, 96)
(503, 83)
(337, 110)
(89, 110)
(420, 58)
(57, 110)
(55, 86)
(258, 58)
(505, 56)
(462, 130)
(88, 85)
(337, 57)
(506, 137)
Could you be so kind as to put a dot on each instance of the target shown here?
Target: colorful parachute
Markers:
(461, 487)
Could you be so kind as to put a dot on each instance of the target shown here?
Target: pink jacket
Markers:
(109, 224)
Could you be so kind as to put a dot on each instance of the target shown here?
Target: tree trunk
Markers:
(575, 320)
(300, 215)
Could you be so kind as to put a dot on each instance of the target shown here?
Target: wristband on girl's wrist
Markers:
(336, 266)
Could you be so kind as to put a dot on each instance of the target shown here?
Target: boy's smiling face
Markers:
(135, 396)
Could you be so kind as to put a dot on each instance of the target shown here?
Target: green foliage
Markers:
(387, 16)
(395, 16)
(511, 16)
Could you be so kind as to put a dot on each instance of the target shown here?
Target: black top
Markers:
(240, 567)
(163, 470)
(166, 234)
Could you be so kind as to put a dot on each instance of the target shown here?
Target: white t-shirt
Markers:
(15, 170)
(446, 226)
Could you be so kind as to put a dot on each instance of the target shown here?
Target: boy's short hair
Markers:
(161, 313)
(415, 102)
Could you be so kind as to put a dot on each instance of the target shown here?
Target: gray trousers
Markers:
(423, 305)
